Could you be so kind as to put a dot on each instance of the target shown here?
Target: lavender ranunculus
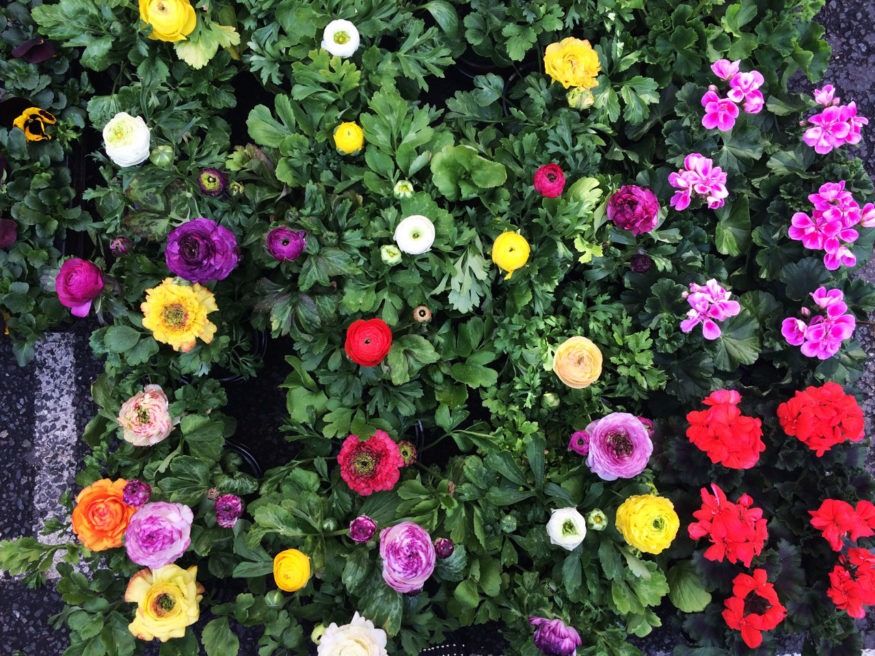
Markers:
(285, 244)
(554, 637)
(619, 446)
(408, 556)
(362, 528)
(158, 533)
(201, 250)
(634, 208)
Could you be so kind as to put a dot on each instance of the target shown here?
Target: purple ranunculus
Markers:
(634, 208)
(619, 446)
(285, 244)
(158, 533)
(579, 442)
(201, 250)
(136, 493)
(8, 233)
(444, 548)
(362, 528)
(408, 556)
(229, 508)
(554, 637)
(78, 283)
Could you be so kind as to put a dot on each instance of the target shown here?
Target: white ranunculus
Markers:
(126, 139)
(358, 638)
(415, 234)
(340, 38)
(566, 528)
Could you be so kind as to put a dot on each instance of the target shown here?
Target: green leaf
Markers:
(188, 482)
(460, 173)
(732, 236)
(247, 569)
(535, 446)
(384, 607)
(219, 640)
(572, 577)
(474, 375)
(409, 354)
(466, 594)
(445, 16)
(119, 339)
(504, 464)
(264, 129)
(686, 590)
(203, 436)
(738, 344)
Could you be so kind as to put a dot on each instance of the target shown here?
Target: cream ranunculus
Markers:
(145, 417)
(358, 638)
(167, 601)
(126, 139)
(415, 234)
(171, 20)
(340, 38)
(566, 528)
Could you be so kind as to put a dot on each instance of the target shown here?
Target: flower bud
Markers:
(212, 182)
(403, 189)
(579, 442)
(161, 156)
(391, 255)
(421, 314)
(274, 599)
(443, 548)
(229, 508)
(550, 401)
(213, 493)
(236, 188)
(120, 246)
(508, 524)
(136, 493)
(362, 528)
(329, 524)
(580, 98)
(408, 452)
(640, 263)
(597, 520)
(317, 633)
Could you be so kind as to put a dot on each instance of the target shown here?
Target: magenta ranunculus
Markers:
(634, 208)
(158, 533)
(362, 528)
(619, 446)
(8, 233)
(201, 250)
(229, 508)
(550, 180)
(78, 283)
(285, 244)
(408, 556)
(554, 637)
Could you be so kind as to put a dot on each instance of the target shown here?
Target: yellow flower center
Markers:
(174, 316)
(341, 37)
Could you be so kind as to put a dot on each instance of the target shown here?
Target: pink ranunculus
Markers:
(619, 446)
(408, 556)
(78, 283)
(720, 112)
(633, 208)
(550, 180)
(145, 417)
(158, 533)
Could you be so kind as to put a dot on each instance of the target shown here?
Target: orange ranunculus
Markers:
(100, 517)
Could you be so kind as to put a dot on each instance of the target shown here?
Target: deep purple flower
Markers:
(136, 493)
(633, 208)
(34, 51)
(554, 637)
(201, 250)
(212, 182)
(8, 233)
(286, 244)
(362, 528)
(229, 508)
(619, 446)
(579, 442)
(408, 556)
(640, 263)
(120, 246)
(158, 533)
(444, 548)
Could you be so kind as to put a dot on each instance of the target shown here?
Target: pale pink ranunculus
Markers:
(145, 417)
(158, 533)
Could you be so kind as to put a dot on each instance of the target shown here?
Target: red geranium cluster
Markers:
(737, 530)
(753, 607)
(822, 417)
(837, 519)
(371, 465)
(724, 434)
(852, 582)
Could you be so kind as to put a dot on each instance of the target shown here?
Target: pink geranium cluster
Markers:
(709, 303)
(744, 88)
(836, 125)
(823, 335)
(830, 226)
(699, 176)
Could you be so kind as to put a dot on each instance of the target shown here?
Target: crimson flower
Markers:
(837, 519)
(371, 465)
(753, 607)
(852, 582)
(368, 342)
(822, 417)
(725, 435)
(550, 180)
(737, 531)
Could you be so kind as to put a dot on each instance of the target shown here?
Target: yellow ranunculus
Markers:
(648, 522)
(291, 570)
(572, 63)
(177, 314)
(171, 20)
(510, 252)
(578, 362)
(167, 601)
(349, 138)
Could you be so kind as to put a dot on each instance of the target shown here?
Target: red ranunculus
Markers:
(837, 519)
(737, 530)
(822, 417)
(550, 180)
(371, 465)
(852, 582)
(724, 434)
(368, 341)
(78, 283)
(753, 607)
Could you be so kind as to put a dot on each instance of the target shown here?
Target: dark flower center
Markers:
(755, 604)
(619, 444)
(364, 463)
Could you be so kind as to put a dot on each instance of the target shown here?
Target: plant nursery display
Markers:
(565, 296)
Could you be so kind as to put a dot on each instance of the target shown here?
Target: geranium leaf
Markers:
(738, 344)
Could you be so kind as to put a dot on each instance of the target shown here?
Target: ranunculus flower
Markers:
(371, 465)
(167, 601)
(159, 533)
(408, 556)
(291, 570)
(619, 446)
(349, 138)
(362, 528)
(177, 314)
(78, 283)
(285, 244)
(390, 254)
(8, 233)
(358, 638)
(510, 252)
(572, 63)
(100, 516)
(550, 180)
(229, 508)
(566, 528)
(145, 417)
(171, 20)
(212, 182)
(201, 251)
(578, 362)
(126, 139)
(647, 522)
(340, 38)
(554, 637)
(415, 234)
(120, 246)
(634, 208)
(368, 341)
(444, 548)
(136, 493)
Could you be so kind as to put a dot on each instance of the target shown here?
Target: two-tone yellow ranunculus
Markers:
(167, 601)
(648, 522)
